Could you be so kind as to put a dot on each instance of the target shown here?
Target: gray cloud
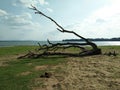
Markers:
(27, 3)
(100, 21)
(3, 12)
(17, 20)
(24, 3)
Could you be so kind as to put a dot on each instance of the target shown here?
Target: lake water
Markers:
(18, 43)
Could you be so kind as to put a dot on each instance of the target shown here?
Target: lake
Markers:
(18, 43)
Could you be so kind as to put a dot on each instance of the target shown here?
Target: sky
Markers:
(88, 18)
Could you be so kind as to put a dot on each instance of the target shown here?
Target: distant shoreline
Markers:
(96, 39)
(35, 43)
(92, 39)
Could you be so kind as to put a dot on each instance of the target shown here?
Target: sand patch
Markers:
(86, 73)
(29, 64)
(5, 59)
(24, 73)
(42, 67)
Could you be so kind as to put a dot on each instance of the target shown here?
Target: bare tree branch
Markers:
(49, 50)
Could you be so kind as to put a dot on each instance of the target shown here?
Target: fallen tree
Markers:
(53, 49)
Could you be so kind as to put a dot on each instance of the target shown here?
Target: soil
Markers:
(87, 73)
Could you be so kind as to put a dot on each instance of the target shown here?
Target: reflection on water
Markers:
(106, 43)
(17, 43)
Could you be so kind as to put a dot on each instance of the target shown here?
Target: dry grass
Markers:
(41, 67)
(98, 72)
(24, 73)
(5, 59)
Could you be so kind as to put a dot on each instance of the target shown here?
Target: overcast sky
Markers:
(89, 18)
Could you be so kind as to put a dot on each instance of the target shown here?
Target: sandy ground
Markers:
(86, 73)
(5, 59)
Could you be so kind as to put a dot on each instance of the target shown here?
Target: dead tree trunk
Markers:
(51, 48)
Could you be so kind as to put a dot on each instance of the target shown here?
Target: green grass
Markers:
(9, 74)
(15, 50)
(10, 78)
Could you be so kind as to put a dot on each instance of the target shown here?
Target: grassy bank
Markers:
(87, 73)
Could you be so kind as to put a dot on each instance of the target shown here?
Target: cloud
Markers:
(3, 12)
(20, 27)
(100, 21)
(103, 22)
(17, 20)
(50, 10)
(27, 3)
(43, 2)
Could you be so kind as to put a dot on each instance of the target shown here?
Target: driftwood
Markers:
(111, 53)
(53, 49)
